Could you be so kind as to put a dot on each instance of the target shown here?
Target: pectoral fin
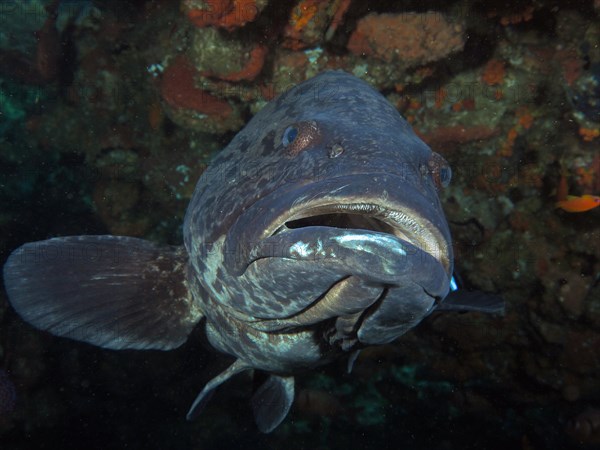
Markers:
(111, 291)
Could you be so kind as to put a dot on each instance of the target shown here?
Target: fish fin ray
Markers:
(112, 291)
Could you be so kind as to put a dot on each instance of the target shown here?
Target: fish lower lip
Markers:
(377, 257)
(371, 217)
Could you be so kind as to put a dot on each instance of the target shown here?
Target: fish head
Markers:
(325, 208)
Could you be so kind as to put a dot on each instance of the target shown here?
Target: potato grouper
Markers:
(316, 232)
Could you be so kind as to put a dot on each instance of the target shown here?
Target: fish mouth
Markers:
(406, 225)
(384, 211)
(341, 246)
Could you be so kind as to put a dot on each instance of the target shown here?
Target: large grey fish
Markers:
(316, 232)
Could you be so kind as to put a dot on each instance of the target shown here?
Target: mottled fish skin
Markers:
(316, 232)
(257, 180)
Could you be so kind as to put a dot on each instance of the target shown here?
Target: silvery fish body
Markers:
(315, 232)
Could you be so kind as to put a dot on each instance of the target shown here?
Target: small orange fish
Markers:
(579, 204)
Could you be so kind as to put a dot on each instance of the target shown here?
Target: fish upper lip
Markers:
(404, 224)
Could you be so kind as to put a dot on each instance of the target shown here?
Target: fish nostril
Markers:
(335, 151)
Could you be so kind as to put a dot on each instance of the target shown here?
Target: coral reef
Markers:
(216, 56)
(409, 39)
(227, 14)
(190, 106)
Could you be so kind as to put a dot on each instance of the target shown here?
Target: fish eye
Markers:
(289, 135)
(440, 170)
(300, 136)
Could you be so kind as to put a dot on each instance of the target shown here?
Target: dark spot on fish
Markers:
(220, 274)
(262, 183)
(231, 173)
(209, 202)
(276, 307)
(218, 286)
(244, 144)
(268, 143)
